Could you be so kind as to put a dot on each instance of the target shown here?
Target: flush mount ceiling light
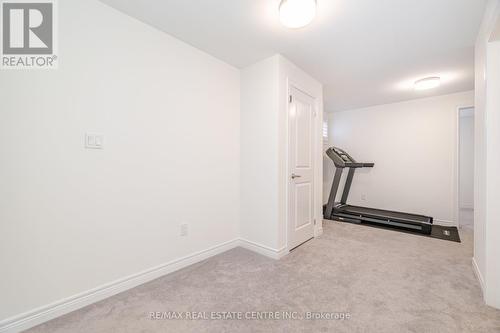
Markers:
(428, 83)
(297, 13)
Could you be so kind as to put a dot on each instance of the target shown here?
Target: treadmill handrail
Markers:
(359, 165)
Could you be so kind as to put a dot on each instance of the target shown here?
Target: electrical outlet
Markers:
(184, 229)
(363, 197)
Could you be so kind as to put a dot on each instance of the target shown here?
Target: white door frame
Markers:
(457, 163)
(318, 135)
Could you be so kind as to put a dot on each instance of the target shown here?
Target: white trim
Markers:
(318, 231)
(286, 157)
(445, 223)
(478, 274)
(47, 312)
(264, 250)
(318, 177)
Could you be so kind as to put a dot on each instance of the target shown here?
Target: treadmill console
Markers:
(342, 159)
(346, 158)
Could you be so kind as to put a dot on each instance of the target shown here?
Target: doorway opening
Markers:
(466, 168)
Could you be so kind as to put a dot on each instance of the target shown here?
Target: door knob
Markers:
(295, 176)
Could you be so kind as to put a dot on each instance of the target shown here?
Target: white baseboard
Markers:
(318, 228)
(264, 250)
(478, 274)
(45, 313)
(445, 223)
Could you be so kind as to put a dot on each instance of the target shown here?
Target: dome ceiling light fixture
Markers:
(428, 83)
(296, 14)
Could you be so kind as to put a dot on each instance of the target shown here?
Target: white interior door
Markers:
(301, 168)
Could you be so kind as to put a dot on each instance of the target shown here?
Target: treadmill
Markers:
(341, 211)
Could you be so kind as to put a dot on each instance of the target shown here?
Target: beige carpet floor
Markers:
(382, 281)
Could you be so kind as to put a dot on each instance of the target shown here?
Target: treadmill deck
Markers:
(400, 220)
(382, 213)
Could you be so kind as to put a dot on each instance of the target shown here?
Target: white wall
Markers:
(264, 137)
(466, 159)
(259, 147)
(72, 219)
(487, 145)
(480, 147)
(493, 176)
(413, 145)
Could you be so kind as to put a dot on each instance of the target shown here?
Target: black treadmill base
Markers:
(446, 233)
(437, 231)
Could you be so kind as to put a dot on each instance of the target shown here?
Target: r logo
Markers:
(27, 28)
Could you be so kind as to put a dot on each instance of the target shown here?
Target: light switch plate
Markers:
(94, 141)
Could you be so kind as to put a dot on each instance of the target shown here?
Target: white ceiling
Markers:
(365, 52)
